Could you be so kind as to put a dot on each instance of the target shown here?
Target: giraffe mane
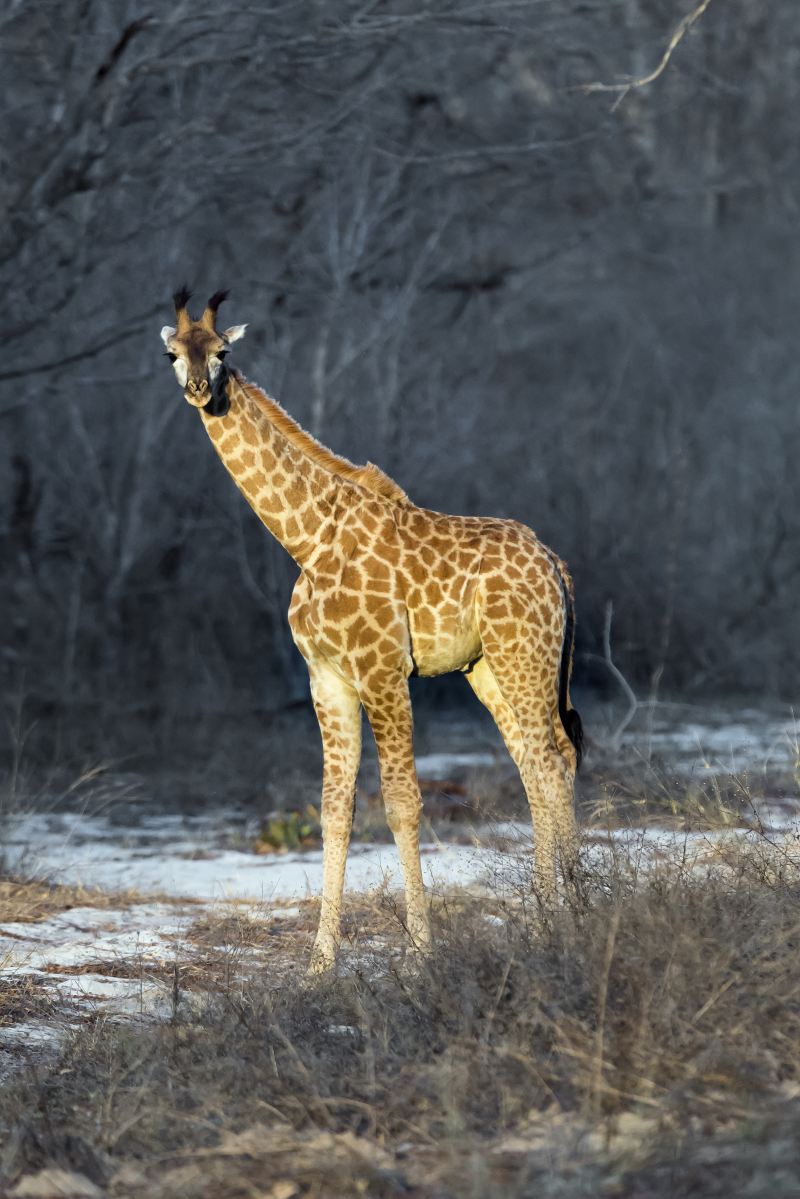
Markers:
(370, 477)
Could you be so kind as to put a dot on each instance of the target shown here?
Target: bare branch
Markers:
(643, 80)
(42, 368)
(615, 740)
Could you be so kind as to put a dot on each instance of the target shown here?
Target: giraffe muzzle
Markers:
(197, 394)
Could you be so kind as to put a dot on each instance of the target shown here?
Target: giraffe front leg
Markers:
(338, 711)
(389, 714)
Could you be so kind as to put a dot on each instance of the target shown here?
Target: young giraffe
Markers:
(387, 590)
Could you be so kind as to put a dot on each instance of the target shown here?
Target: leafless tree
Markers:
(455, 262)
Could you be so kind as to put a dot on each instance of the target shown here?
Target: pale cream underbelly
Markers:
(448, 649)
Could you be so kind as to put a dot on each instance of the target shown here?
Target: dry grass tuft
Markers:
(25, 900)
(649, 793)
(24, 998)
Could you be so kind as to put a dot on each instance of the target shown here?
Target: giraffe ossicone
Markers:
(387, 589)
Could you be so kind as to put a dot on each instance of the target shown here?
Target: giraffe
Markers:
(387, 590)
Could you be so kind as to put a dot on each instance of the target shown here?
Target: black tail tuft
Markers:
(573, 725)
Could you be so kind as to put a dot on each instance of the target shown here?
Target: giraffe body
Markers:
(387, 590)
(426, 582)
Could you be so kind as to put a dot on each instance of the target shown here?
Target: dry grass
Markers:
(650, 794)
(609, 794)
(217, 952)
(26, 900)
(648, 1045)
(23, 999)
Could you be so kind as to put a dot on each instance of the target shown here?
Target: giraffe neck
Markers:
(293, 495)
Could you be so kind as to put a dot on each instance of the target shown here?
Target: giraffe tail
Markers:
(573, 725)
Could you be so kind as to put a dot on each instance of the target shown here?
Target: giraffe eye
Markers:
(223, 353)
(172, 357)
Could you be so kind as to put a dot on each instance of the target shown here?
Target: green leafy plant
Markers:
(283, 832)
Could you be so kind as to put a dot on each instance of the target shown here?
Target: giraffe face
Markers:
(197, 353)
(198, 359)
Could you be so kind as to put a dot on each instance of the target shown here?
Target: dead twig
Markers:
(615, 739)
(602, 1000)
(680, 32)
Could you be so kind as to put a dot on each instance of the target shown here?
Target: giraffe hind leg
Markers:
(568, 835)
(528, 729)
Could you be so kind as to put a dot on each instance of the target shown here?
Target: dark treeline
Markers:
(517, 297)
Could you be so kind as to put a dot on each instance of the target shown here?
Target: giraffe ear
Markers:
(166, 333)
(234, 333)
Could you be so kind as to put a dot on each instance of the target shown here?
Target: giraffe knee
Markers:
(336, 824)
(393, 818)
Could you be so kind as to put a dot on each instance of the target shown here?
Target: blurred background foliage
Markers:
(517, 297)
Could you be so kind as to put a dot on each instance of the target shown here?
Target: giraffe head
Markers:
(197, 353)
